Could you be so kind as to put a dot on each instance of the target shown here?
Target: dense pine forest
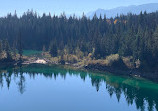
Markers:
(133, 36)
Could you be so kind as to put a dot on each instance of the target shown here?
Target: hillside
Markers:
(152, 7)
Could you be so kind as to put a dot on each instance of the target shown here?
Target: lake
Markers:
(52, 88)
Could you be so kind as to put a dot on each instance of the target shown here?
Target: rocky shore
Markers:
(118, 68)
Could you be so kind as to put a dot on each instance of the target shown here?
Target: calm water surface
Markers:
(45, 88)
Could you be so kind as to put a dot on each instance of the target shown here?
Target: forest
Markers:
(129, 35)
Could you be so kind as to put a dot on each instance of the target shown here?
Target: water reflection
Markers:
(142, 93)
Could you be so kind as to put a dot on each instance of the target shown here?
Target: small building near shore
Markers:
(40, 61)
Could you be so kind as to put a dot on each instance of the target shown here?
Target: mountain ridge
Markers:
(134, 9)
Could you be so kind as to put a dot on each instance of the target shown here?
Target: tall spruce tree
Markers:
(8, 50)
(20, 49)
(1, 49)
(14, 50)
(53, 49)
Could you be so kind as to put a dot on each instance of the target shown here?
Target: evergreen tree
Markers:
(53, 50)
(44, 48)
(14, 50)
(7, 50)
(155, 46)
(1, 49)
(20, 49)
(155, 40)
(97, 50)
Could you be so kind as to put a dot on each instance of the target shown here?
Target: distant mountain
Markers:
(152, 7)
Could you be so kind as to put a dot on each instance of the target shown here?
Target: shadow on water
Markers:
(138, 91)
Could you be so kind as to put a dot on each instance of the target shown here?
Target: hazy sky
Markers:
(68, 6)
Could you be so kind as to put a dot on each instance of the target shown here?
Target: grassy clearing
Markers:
(31, 52)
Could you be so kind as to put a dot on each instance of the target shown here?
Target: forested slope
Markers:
(131, 35)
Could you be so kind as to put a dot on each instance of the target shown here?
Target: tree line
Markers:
(130, 35)
(8, 53)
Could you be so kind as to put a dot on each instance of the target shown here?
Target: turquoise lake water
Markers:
(50, 88)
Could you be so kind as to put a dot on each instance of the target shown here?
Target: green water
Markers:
(51, 88)
(31, 52)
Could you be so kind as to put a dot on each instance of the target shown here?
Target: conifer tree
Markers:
(14, 50)
(53, 49)
(8, 50)
(20, 50)
(1, 49)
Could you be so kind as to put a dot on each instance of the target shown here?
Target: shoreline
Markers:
(94, 68)
(131, 73)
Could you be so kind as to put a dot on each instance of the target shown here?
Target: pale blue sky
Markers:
(68, 6)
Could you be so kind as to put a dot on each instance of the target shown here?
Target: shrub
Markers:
(112, 58)
(108, 61)
(128, 61)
